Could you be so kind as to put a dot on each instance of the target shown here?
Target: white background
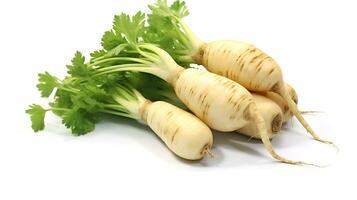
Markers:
(314, 42)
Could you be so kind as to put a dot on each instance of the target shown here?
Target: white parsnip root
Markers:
(272, 115)
(243, 89)
(292, 92)
(199, 91)
(182, 132)
(241, 62)
(252, 68)
(287, 114)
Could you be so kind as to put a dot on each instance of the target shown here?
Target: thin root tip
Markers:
(314, 165)
(329, 143)
(307, 112)
(304, 163)
(336, 147)
(207, 151)
(250, 138)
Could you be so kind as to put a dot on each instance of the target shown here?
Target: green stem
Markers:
(151, 56)
(142, 61)
(121, 47)
(183, 37)
(69, 89)
(113, 106)
(149, 70)
(118, 113)
(195, 43)
(104, 69)
(186, 59)
(58, 109)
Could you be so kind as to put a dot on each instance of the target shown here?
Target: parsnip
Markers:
(292, 92)
(182, 132)
(252, 68)
(97, 87)
(287, 114)
(155, 88)
(272, 115)
(238, 61)
(199, 90)
(80, 101)
(221, 103)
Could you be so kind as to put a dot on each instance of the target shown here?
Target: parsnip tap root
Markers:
(253, 114)
(197, 89)
(200, 90)
(252, 68)
(235, 110)
(292, 92)
(181, 131)
(239, 61)
(287, 114)
(272, 115)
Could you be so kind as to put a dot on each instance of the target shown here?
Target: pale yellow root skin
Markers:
(287, 114)
(241, 62)
(292, 92)
(183, 133)
(271, 114)
(251, 68)
(216, 100)
(222, 104)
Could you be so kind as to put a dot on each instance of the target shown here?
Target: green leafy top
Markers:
(177, 10)
(125, 49)
(105, 84)
(37, 114)
(125, 34)
(132, 28)
(167, 29)
(81, 97)
(47, 83)
(78, 68)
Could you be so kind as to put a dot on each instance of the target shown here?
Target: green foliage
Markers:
(89, 98)
(127, 32)
(109, 80)
(78, 68)
(79, 121)
(62, 100)
(110, 40)
(178, 9)
(132, 28)
(154, 88)
(81, 97)
(98, 54)
(165, 29)
(47, 83)
(96, 87)
(37, 115)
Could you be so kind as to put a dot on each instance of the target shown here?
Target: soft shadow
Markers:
(158, 148)
(241, 150)
(233, 142)
(290, 137)
(242, 138)
(236, 141)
